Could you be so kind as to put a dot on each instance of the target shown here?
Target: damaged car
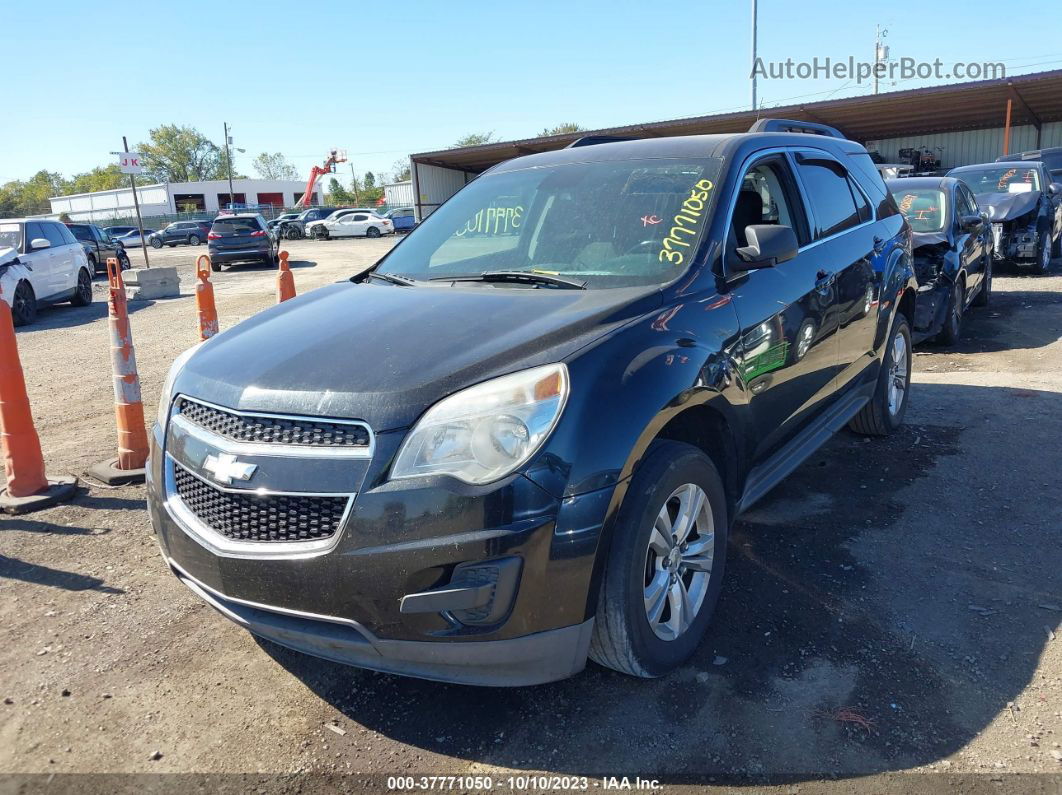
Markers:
(1024, 207)
(952, 248)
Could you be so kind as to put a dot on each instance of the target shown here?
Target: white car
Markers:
(133, 239)
(41, 262)
(350, 223)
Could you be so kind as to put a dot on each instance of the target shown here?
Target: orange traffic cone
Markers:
(204, 299)
(28, 487)
(128, 467)
(285, 280)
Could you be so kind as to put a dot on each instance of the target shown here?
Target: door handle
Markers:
(879, 244)
(823, 280)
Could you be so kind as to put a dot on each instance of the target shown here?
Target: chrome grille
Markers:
(263, 518)
(265, 429)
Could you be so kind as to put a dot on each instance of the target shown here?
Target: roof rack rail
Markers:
(790, 125)
(591, 140)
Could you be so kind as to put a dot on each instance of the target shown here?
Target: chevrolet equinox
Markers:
(521, 438)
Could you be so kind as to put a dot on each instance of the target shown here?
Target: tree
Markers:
(369, 181)
(561, 129)
(181, 154)
(99, 178)
(400, 171)
(30, 197)
(337, 194)
(274, 166)
(474, 139)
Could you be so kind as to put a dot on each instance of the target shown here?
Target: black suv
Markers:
(240, 238)
(522, 437)
(99, 246)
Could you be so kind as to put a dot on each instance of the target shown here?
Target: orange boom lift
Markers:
(329, 167)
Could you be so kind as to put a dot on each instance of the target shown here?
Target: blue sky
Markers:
(386, 79)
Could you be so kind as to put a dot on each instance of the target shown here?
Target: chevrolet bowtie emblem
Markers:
(226, 468)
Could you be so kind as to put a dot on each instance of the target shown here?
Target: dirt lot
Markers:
(890, 611)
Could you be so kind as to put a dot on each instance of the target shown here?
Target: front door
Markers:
(787, 355)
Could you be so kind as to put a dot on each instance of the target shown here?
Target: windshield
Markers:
(925, 209)
(610, 224)
(1000, 180)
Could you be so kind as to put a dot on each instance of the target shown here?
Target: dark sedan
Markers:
(952, 248)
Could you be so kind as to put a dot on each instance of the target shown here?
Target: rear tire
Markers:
(93, 265)
(884, 413)
(156, 243)
(23, 305)
(637, 631)
(372, 231)
(193, 240)
(291, 233)
(83, 291)
(215, 266)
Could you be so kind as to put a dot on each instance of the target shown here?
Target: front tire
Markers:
(1043, 254)
(292, 234)
(23, 305)
(952, 329)
(320, 233)
(884, 412)
(984, 295)
(665, 565)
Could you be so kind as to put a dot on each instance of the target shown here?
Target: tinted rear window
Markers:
(235, 226)
(82, 232)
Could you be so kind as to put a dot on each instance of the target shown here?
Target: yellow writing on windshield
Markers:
(493, 221)
(687, 223)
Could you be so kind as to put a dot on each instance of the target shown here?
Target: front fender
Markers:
(628, 385)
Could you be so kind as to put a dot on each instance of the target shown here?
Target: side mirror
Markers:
(769, 245)
(970, 222)
(1055, 188)
(39, 243)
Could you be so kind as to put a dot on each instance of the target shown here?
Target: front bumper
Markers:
(347, 603)
(1013, 243)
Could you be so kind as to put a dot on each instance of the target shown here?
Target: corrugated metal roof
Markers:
(919, 111)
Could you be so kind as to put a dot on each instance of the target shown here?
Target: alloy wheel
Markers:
(84, 286)
(678, 562)
(898, 368)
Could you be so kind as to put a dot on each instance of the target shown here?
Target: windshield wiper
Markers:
(393, 278)
(525, 277)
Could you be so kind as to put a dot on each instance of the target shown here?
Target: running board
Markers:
(768, 474)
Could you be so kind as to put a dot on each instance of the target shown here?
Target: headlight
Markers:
(485, 432)
(167, 385)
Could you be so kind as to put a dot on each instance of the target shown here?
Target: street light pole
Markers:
(228, 161)
(754, 55)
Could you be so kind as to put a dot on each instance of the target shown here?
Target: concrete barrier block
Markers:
(147, 284)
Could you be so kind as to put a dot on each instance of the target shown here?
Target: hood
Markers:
(384, 353)
(919, 239)
(1008, 206)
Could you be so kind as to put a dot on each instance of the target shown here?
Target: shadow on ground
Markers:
(852, 585)
(1014, 320)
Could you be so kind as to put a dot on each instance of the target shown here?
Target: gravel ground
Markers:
(890, 610)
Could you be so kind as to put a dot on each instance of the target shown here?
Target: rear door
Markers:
(848, 247)
(972, 242)
(38, 261)
(65, 260)
(786, 356)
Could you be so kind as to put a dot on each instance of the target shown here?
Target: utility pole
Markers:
(136, 204)
(354, 184)
(881, 52)
(754, 55)
(228, 161)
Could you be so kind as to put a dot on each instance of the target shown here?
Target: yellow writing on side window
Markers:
(687, 223)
